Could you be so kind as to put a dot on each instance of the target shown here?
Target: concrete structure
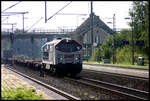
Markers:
(33, 35)
(12, 37)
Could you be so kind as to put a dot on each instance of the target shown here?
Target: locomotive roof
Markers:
(52, 42)
(55, 41)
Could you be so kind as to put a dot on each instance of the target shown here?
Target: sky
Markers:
(36, 13)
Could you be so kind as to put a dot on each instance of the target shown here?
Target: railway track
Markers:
(118, 75)
(66, 95)
(117, 89)
(139, 94)
(124, 67)
(140, 83)
(107, 88)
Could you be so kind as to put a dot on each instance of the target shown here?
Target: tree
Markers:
(140, 25)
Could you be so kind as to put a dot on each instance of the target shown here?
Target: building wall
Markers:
(83, 32)
(99, 36)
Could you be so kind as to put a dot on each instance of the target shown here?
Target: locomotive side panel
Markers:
(51, 54)
(48, 55)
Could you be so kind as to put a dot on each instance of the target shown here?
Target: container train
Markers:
(62, 56)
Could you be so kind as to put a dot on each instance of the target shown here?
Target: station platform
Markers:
(115, 69)
(10, 79)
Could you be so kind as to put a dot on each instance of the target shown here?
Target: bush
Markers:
(20, 94)
(123, 55)
(95, 56)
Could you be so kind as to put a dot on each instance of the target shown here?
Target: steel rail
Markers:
(124, 67)
(66, 95)
(136, 92)
(120, 75)
(107, 89)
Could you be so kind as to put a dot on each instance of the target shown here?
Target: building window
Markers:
(85, 38)
(97, 39)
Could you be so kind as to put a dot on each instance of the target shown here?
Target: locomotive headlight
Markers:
(60, 57)
(77, 58)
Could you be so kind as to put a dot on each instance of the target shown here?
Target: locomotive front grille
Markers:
(69, 58)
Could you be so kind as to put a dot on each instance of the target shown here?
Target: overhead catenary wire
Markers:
(59, 11)
(11, 6)
(5, 19)
(34, 24)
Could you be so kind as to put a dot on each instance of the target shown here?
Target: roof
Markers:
(52, 42)
(55, 41)
(97, 22)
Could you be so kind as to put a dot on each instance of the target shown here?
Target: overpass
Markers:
(32, 35)
(49, 34)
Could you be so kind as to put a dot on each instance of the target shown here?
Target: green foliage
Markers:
(140, 30)
(95, 55)
(140, 25)
(123, 55)
(124, 35)
(106, 48)
(20, 94)
(122, 52)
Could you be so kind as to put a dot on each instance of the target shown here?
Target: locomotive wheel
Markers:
(53, 70)
(73, 75)
(43, 66)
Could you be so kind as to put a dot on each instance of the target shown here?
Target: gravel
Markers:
(137, 84)
(78, 90)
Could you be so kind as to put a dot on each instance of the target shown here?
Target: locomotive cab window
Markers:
(45, 52)
(68, 46)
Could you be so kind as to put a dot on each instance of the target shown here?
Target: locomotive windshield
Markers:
(68, 46)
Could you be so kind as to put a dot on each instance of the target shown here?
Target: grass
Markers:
(20, 94)
(146, 66)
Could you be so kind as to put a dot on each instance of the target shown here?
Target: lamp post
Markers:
(114, 29)
(113, 43)
(91, 16)
(132, 42)
(86, 44)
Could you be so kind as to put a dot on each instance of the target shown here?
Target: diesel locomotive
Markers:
(62, 56)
